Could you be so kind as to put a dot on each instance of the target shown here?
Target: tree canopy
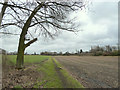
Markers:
(45, 18)
(48, 17)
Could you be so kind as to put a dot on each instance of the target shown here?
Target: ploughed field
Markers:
(92, 71)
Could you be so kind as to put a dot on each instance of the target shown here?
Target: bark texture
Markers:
(22, 45)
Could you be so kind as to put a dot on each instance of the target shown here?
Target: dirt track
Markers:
(92, 71)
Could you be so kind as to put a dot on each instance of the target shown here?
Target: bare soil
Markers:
(92, 71)
(25, 78)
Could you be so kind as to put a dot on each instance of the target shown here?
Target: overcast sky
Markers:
(99, 25)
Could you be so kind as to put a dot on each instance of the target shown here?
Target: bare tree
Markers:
(108, 48)
(44, 18)
(3, 10)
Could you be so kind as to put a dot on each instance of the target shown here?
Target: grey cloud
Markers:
(100, 28)
(104, 10)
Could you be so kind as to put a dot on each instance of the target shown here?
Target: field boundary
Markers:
(67, 80)
(61, 76)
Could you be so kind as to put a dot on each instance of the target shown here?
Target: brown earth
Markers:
(92, 71)
(25, 78)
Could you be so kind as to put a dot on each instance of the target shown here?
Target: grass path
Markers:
(67, 80)
(61, 76)
(55, 76)
(50, 78)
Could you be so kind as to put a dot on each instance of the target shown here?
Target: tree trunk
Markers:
(22, 45)
(20, 55)
(21, 49)
(20, 60)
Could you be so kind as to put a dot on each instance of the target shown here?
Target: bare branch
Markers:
(3, 11)
(8, 33)
(9, 5)
(51, 15)
(30, 42)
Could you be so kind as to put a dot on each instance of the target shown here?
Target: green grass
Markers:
(17, 86)
(73, 83)
(51, 79)
(28, 58)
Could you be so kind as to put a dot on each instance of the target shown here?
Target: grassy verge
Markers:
(50, 79)
(28, 58)
(73, 83)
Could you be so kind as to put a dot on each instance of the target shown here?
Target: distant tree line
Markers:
(105, 50)
(94, 51)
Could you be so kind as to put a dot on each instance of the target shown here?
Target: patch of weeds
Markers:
(39, 84)
(17, 86)
(50, 79)
(73, 83)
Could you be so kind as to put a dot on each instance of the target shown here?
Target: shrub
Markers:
(114, 53)
(98, 53)
(107, 54)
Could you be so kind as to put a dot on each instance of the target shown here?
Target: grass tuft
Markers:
(17, 86)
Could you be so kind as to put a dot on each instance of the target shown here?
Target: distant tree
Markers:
(98, 48)
(45, 18)
(102, 49)
(60, 53)
(66, 53)
(34, 53)
(42, 53)
(54, 53)
(81, 50)
(114, 48)
(108, 48)
(77, 52)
